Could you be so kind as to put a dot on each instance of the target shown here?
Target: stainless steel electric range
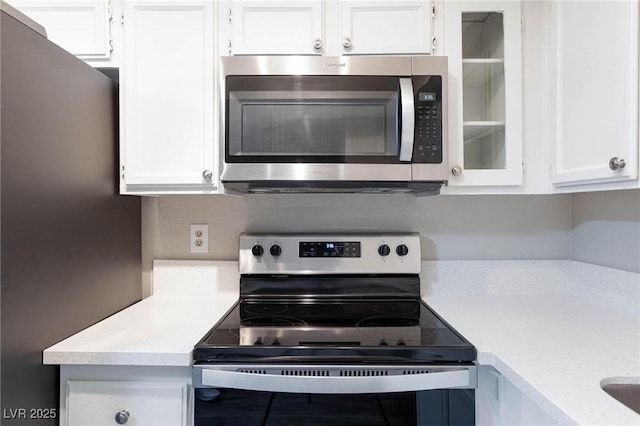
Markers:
(331, 329)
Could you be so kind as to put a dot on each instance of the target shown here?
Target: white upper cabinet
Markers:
(168, 97)
(483, 43)
(82, 27)
(277, 27)
(594, 93)
(331, 27)
(385, 27)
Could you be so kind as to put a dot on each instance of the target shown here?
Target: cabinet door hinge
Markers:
(229, 45)
(434, 45)
(122, 172)
(524, 165)
(229, 15)
(122, 18)
(111, 45)
(434, 11)
(110, 12)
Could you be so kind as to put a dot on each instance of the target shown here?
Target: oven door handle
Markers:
(461, 378)
(408, 119)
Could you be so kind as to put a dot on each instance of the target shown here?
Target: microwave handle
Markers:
(408, 119)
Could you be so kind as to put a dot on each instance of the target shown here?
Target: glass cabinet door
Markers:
(485, 99)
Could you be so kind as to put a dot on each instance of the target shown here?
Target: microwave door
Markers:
(407, 124)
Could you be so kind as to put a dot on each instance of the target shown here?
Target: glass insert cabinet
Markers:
(484, 50)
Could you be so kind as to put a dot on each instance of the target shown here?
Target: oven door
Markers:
(259, 394)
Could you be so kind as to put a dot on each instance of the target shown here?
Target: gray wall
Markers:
(606, 229)
(71, 250)
(452, 227)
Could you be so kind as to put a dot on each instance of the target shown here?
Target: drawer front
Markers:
(130, 403)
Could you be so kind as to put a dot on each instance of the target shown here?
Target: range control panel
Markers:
(330, 254)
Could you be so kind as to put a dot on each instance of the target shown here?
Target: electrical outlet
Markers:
(199, 238)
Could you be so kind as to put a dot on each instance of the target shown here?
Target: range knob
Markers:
(402, 250)
(275, 250)
(257, 250)
(384, 250)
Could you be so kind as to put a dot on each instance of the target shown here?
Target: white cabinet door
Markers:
(270, 27)
(500, 402)
(483, 43)
(385, 27)
(167, 96)
(105, 403)
(594, 102)
(82, 27)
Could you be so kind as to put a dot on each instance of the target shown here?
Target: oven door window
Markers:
(312, 119)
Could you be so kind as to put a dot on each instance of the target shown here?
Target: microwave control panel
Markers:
(427, 147)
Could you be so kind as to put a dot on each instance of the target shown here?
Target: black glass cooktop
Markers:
(321, 331)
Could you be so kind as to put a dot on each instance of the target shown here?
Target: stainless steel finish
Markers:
(207, 175)
(625, 390)
(315, 172)
(408, 119)
(122, 417)
(370, 261)
(317, 43)
(400, 66)
(347, 42)
(617, 163)
(315, 65)
(456, 171)
(335, 379)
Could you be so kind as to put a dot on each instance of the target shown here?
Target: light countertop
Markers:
(161, 330)
(553, 328)
(555, 338)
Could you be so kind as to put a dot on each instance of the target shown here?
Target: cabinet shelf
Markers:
(479, 130)
(478, 72)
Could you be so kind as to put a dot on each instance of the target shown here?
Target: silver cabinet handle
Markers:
(617, 163)
(347, 42)
(122, 417)
(456, 171)
(207, 175)
(460, 378)
(317, 43)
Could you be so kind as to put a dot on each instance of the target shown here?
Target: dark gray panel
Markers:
(71, 247)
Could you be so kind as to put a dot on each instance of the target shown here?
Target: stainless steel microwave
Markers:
(334, 124)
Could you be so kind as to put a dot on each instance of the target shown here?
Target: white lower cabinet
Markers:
(96, 395)
(500, 402)
(135, 403)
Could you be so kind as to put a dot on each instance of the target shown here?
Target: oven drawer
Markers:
(334, 379)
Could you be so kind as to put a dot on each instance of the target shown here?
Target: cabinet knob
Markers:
(317, 43)
(207, 174)
(347, 42)
(456, 171)
(122, 417)
(617, 163)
